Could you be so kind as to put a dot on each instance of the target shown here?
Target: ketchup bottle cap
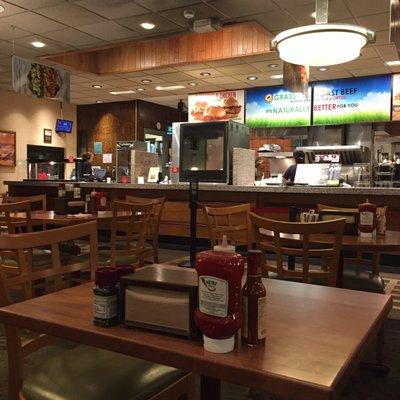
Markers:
(106, 276)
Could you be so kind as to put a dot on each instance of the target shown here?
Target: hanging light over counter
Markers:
(322, 44)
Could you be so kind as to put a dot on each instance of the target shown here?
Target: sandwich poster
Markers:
(217, 106)
(346, 101)
(38, 80)
(269, 107)
(396, 98)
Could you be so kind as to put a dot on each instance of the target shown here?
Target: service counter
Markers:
(271, 201)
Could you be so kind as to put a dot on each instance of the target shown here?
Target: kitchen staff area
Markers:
(199, 200)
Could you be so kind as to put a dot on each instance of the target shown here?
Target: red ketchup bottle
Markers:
(367, 219)
(219, 314)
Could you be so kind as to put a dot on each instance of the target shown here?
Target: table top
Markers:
(312, 342)
(389, 242)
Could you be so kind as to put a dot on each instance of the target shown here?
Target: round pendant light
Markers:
(322, 44)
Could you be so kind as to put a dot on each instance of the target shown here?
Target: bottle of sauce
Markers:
(367, 219)
(77, 191)
(219, 314)
(254, 301)
(61, 190)
(105, 310)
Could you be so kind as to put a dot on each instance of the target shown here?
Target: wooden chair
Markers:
(269, 237)
(357, 278)
(152, 235)
(129, 229)
(232, 221)
(40, 200)
(15, 226)
(87, 372)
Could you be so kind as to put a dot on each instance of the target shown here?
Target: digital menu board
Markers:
(216, 106)
(346, 101)
(268, 107)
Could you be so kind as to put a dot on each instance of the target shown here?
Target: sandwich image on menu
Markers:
(217, 106)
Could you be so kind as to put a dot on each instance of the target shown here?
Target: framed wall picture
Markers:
(7, 148)
(47, 133)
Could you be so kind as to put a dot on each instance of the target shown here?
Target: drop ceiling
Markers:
(80, 24)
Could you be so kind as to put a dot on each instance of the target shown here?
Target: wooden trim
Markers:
(231, 41)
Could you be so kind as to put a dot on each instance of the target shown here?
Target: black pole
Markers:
(193, 197)
(292, 218)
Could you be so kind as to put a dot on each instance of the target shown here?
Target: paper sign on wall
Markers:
(98, 147)
(107, 158)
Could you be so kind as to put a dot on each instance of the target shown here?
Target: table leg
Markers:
(379, 367)
(339, 282)
(210, 388)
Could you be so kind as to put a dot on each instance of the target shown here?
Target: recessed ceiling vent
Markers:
(206, 25)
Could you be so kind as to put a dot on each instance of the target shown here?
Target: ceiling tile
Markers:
(71, 15)
(35, 4)
(387, 51)
(201, 11)
(382, 37)
(158, 71)
(32, 22)
(264, 66)
(237, 69)
(8, 32)
(370, 71)
(274, 20)
(192, 67)
(196, 73)
(361, 63)
(240, 8)
(162, 24)
(10, 9)
(108, 30)
(226, 62)
(271, 56)
(367, 7)
(368, 52)
(159, 5)
(153, 78)
(50, 48)
(377, 22)
(235, 86)
(219, 80)
(113, 11)
(73, 37)
(176, 77)
(327, 75)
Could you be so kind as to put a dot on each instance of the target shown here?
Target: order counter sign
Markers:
(213, 296)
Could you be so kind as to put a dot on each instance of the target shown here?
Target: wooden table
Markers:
(316, 336)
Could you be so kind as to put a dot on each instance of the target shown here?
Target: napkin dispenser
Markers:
(160, 298)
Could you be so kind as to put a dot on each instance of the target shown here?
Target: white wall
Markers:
(28, 116)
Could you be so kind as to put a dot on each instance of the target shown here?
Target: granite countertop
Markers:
(224, 188)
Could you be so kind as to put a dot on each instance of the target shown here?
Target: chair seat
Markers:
(88, 373)
(363, 280)
(120, 245)
(40, 258)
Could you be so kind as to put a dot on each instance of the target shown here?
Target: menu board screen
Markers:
(345, 101)
(217, 106)
(396, 98)
(268, 107)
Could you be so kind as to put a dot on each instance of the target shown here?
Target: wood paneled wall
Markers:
(236, 40)
(125, 120)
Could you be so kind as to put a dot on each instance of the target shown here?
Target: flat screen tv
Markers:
(63, 126)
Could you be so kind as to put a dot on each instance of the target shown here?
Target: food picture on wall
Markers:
(217, 106)
(40, 80)
(7, 148)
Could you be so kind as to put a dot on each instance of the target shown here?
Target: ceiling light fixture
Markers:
(322, 44)
(205, 73)
(147, 25)
(273, 65)
(2, 9)
(392, 63)
(280, 76)
(38, 44)
(99, 101)
(192, 84)
(313, 15)
(123, 92)
(169, 87)
(97, 86)
(251, 78)
(323, 69)
(140, 89)
(146, 81)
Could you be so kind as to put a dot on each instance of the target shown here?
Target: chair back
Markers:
(301, 239)
(57, 273)
(7, 216)
(232, 221)
(39, 201)
(158, 206)
(129, 229)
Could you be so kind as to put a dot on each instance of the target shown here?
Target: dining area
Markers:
(131, 321)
